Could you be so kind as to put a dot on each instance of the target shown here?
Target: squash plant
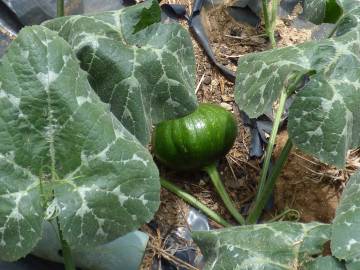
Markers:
(324, 122)
(323, 119)
(145, 76)
(289, 245)
(64, 156)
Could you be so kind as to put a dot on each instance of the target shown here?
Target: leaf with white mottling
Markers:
(273, 246)
(345, 240)
(127, 251)
(325, 263)
(324, 119)
(146, 77)
(322, 11)
(349, 21)
(353, 265)
(63, 154)
(148, 16)
(345, 13)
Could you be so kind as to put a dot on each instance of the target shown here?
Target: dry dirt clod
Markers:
(226, 106)
(207, 80)
(227, 98)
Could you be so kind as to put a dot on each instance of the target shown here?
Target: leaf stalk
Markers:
(271, 143)
(212, 171)
(66, 251)
(60, 8)
(264, 196)
(270, 19)
(194, 202)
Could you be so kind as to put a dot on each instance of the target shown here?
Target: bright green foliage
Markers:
(324, 118)
(345, 240)
(273, 246)
(63, 154)
(146, 77)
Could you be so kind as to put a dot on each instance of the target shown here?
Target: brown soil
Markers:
(307, 186)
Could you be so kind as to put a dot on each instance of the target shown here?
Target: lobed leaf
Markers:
(345, 239)
(63, 154)
(324, 118)
(280, 245)
(146, 77)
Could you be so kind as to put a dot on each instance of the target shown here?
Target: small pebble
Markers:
(223, 49)
(207, 80)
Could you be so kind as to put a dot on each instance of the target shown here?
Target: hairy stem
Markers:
(264, 196)
(219, 186)
(66, 251)
(270, 19)
(274, 9)
(59, 8)
(265, 8)
(194, 202)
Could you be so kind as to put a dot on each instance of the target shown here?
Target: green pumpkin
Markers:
(196, 140)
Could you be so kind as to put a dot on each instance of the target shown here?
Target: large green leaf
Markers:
(353, 265)
(273, 246)
(348, 5)
(126, 251)
(324, 119)
(63, 154)
(345, 240)
(322, 11)
(146, 77)
(345, 13)
(324, 263)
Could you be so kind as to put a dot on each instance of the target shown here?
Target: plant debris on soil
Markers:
(309, 187)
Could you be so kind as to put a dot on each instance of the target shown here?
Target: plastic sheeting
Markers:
(31, 12)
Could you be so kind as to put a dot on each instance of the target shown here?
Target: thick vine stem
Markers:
(194, 202)
(219, 186)
(264, 196)
(66, 251)
(60, 8)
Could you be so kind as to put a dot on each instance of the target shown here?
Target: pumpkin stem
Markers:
(194, 202)
(212, 171)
